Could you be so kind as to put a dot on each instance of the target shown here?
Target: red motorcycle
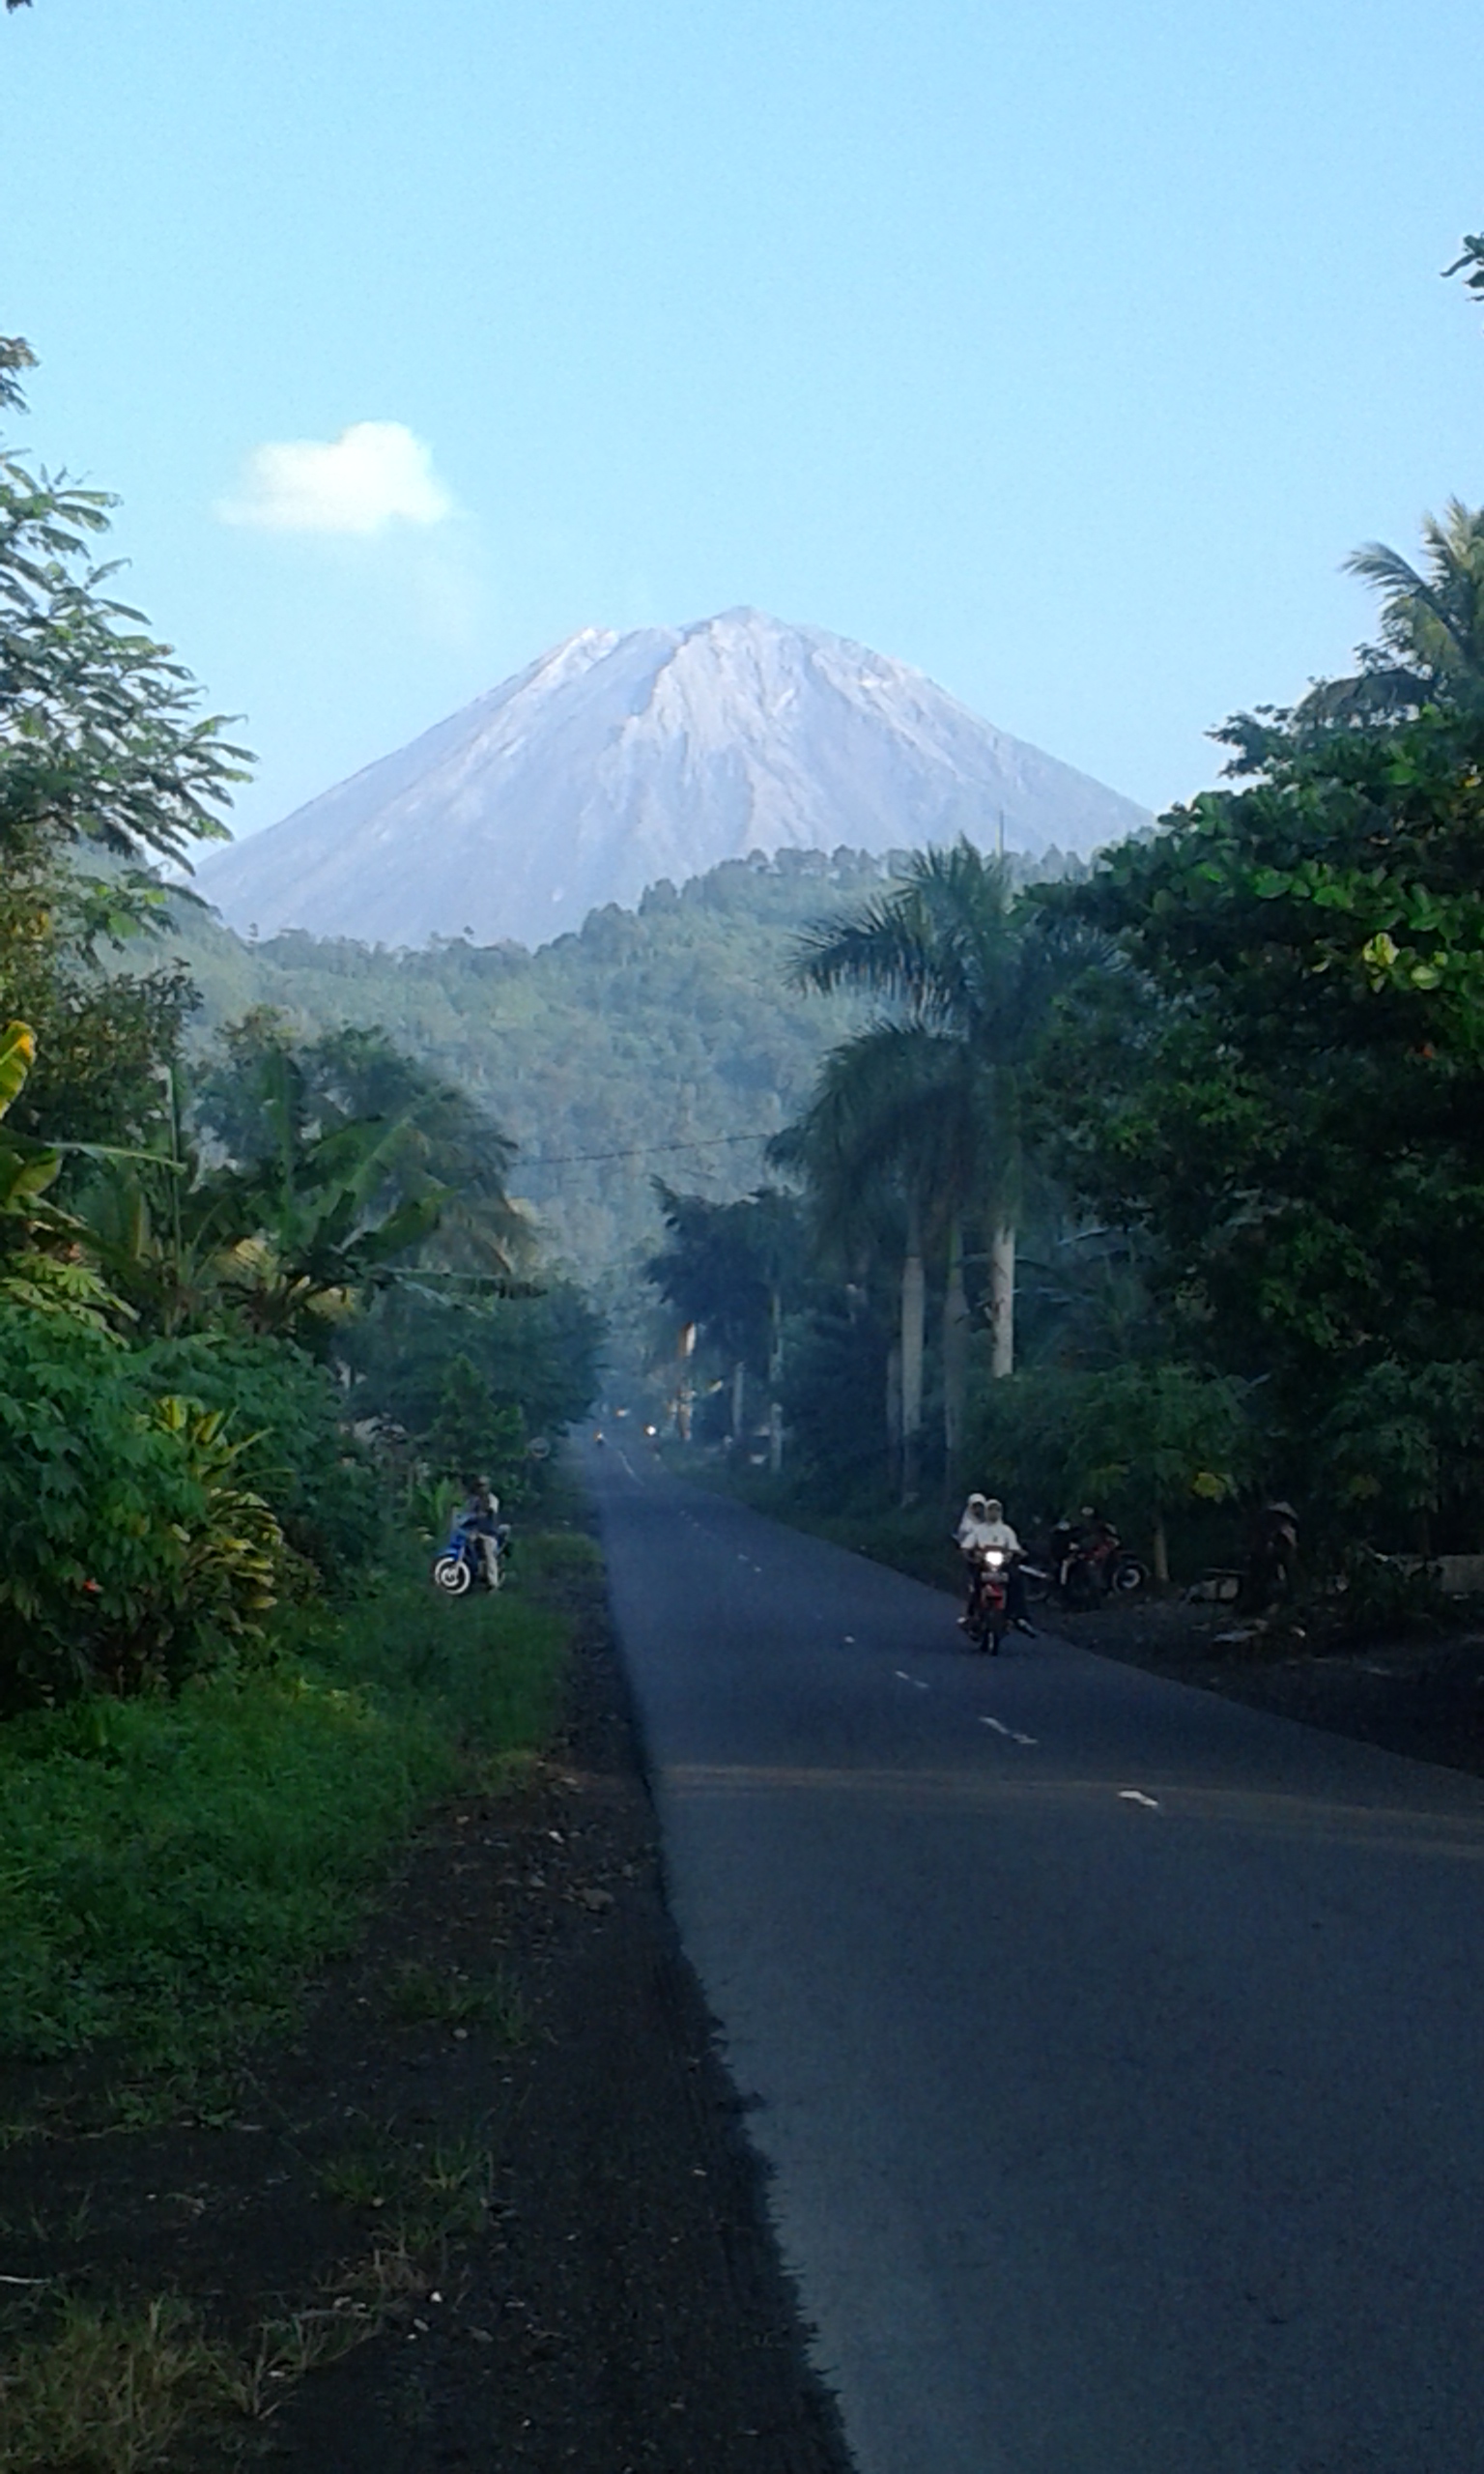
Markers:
(1090, 1563)
(987, 1619)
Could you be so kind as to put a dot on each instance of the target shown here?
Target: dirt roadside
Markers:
(1423, 1697)
(526, 2233)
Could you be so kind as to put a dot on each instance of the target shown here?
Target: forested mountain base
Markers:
(669, 1040)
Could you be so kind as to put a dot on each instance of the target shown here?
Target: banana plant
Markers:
(315, 1232)
(43, 1259)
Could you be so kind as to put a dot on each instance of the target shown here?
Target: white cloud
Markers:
(373, 474)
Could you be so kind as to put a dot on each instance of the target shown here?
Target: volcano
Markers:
(616, 760)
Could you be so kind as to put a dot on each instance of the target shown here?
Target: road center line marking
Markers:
(995, 1723)
(1134, 1795)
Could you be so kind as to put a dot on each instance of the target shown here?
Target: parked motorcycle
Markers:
(470, 1561)
(1091, 1564)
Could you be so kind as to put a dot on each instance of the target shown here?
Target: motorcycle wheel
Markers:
(987, 1631)
(1127, 1576)
(451, 1572)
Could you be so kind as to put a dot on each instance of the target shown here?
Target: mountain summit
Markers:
(617, 759)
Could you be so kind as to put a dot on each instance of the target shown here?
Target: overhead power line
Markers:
(640, 1151)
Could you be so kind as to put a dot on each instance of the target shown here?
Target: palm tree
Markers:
(945, 949)
(1432, 628)
(880, 1145)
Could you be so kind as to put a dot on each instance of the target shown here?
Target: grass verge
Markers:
(170, 1870)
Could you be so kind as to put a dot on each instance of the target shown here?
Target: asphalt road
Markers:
(1119, 2053)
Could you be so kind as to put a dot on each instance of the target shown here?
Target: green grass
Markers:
(170, 1870)
(419, 1995)
(107, 2392)
(116, 2388)
(429, 2194)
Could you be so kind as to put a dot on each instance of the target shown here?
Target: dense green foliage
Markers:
(1284, 1088)
(177, 1248)
(133, 1548)
(1230, 1085)
(225, 1686)
(671, 1041)
(474, 1385)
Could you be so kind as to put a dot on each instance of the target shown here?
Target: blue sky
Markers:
(1061, 350)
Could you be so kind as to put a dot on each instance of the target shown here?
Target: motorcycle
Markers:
(986, 1619)
(1094, 1565)
(470, 1561)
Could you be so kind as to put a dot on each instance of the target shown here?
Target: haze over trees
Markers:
(1228, 1083)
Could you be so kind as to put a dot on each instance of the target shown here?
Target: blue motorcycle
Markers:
(472, 1559)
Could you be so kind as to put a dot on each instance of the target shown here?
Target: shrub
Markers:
(1142, 1441)
(322, 1488)
(132, 1550)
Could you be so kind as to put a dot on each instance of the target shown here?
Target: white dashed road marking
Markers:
(1012, 1733)
(1133, 1796)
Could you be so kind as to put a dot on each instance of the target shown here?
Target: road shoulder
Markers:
(528, 2229)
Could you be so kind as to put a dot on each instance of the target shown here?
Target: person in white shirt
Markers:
(983, 1524)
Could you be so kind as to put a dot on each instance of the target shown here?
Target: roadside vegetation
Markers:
(1157, 1188)
(266, 1301)
(172, 1866)
(263, 1302)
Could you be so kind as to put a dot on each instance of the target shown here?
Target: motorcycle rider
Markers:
(480, 1520)
(1089, 1538)
(982, 1524)
(1272, 1557)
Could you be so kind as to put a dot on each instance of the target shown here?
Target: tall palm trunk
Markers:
(1002, 1300)
(894, 1411)
(775, 1380)
(956, 1357)
(685, 1389)
(914, 1303)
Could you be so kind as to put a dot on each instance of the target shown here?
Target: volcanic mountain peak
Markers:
(616, 760)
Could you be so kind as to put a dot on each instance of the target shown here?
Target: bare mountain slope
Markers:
(616, 760)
